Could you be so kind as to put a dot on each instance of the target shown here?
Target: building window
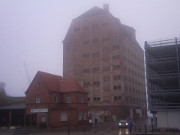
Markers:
(97, 84)
(63, 117)
(86, 84)
(95, 69)
(96, 98)
(118, 87)
(55, 99)
(80, 116)
(68, 99)
(85, 116)
(116, 57)
(43, 118)
(116, 67)
(116, 77)
(37, 99)
(116, 98)
(82, 99)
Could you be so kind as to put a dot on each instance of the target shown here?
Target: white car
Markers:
(123, 124)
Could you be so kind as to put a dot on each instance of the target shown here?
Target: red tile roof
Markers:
(70, 86)
(56, 83)
(51, 81)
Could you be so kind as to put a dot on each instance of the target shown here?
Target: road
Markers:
(102, 129)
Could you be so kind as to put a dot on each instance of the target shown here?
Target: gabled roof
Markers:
(92, 12)
(70, 86)
(55, 83)
(51, 81)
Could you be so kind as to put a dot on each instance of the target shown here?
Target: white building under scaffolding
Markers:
(163, 81)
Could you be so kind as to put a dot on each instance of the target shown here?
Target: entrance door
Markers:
(44, 121)
(34, 119)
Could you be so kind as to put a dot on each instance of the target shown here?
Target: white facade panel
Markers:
(168, 119)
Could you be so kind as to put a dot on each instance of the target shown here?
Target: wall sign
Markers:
(39, 110)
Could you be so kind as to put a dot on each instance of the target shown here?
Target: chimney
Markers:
(106, 7)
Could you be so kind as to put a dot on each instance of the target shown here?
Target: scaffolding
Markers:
(163, 74)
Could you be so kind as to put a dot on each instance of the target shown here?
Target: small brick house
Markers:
(55, 102)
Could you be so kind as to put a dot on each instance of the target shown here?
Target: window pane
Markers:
(37, 99)
(68, 99)
(44, 118)
(80, 116)
(63, 117)
(85, 116)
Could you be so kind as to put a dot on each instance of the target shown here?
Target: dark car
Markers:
(123, 124)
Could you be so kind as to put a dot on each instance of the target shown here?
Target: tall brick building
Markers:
(104, 57)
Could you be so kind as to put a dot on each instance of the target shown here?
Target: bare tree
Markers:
(3, 95)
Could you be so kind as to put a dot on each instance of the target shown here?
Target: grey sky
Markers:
(31, 32)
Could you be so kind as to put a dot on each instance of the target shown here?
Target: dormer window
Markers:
(68, 99)
(37, 100)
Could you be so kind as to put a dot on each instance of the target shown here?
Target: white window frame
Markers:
(63, 117)
(38, 100)
(80, 116)
(85, 116)
(44, 118)
(68, 99)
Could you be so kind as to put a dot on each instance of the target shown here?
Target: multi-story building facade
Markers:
(104, 57)
(163, 81)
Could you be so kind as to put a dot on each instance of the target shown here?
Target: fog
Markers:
(32, 31)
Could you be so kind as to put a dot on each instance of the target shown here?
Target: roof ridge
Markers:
(91, 12)
(42, 72)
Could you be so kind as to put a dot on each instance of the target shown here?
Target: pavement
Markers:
(106, 128)
(98, 131)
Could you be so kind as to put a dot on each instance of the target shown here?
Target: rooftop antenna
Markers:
(27, 74)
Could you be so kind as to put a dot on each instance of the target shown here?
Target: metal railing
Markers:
(165, 42)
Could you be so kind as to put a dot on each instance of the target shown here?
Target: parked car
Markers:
(123, 124)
